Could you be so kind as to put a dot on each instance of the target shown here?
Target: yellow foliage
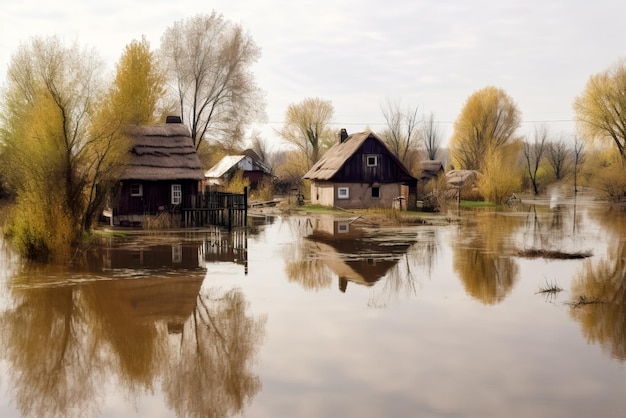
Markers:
(237, 183)
(487, 123)
(500, 179)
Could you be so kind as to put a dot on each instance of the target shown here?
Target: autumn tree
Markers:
(487, 123)
(401, 134)
(52, 158)
(138, 89)
(431, 136)
(533, 155)
(601, 108)
(307, 128)
(208, 61)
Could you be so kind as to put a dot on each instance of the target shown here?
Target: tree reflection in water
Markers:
(67, 335)
(599, 293)
(483, 258)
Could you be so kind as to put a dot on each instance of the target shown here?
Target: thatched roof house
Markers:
(361, 172)
(163, 170)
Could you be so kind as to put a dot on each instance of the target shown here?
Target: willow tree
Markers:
(208, 61)
(307, 127)
(52, 158)
(601, 108)
(487, 123)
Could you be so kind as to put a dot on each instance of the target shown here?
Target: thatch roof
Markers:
(162, 152)
(332, 161)
(430, 169)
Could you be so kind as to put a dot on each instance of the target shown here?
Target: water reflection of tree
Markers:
(55, 362)
(207, 372)
(599, 292)
(304, 265)
(482, 257)
(64, 343)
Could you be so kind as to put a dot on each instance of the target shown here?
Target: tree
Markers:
(52, 158)
(431, 136)
(306, 127)
(601, 108)
(486, 124)
(559, 158)
(138, 88)
(533, 154)
(208, 61)
(402, 133)
(579, 158)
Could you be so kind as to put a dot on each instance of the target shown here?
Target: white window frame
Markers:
(139, 189)
(177, 194)
(343, 227)
(343, 193)
(374, 162)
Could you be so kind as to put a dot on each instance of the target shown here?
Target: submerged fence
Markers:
(216, 208)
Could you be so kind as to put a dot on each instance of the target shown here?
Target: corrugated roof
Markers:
(162, 152)
(222, 167)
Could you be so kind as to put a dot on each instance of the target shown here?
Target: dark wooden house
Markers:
(162, 172)
(360, 172)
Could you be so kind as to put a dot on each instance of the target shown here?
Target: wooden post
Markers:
(245, 206)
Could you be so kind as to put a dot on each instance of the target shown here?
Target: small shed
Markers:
(360, 172)
(163, 170)
(248, 163)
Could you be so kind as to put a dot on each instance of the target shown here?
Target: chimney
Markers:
(343, 135)
(173, 119)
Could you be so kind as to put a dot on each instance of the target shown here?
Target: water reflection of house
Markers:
(355, 254)
(153, 282)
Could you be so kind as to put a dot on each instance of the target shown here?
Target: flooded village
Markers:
(194, 232)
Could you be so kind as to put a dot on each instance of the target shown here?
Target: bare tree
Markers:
(431, 135)
(402, 133)
(579, 158)
(533, 154)
(208, 60)
(558, 158)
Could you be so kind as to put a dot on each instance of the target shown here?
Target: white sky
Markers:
(432, 54)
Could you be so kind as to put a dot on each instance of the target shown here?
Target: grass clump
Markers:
(550, 288)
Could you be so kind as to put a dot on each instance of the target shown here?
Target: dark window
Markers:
(376, 192)
(372, 160)
(136, 189)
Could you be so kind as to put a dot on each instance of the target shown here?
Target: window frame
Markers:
(343, 192)
(139, 190)
(176, 197)
(374, 159)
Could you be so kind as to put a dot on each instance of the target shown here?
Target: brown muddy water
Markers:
(310, 316)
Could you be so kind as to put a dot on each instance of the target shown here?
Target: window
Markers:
(136, 189)
(343, 192)
(177, 194)
(343, 227)
(372, 160)
(376, 192)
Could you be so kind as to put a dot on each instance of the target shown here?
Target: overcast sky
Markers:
(430, 54)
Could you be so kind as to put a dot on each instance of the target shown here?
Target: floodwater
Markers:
(312, 316)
